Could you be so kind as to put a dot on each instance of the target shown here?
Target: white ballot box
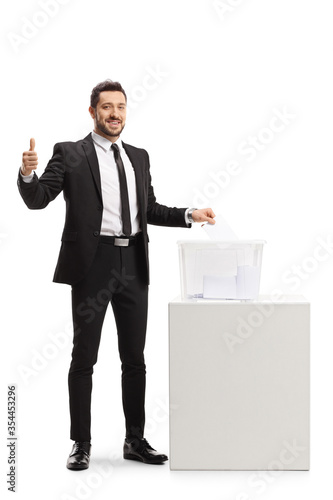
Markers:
(239, 384)
(220, 269)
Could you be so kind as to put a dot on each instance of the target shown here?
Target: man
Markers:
(104, 257)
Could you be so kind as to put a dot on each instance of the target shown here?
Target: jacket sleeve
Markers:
(162, 215)
(40, 191)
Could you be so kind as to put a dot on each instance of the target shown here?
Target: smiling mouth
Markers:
(113, 123)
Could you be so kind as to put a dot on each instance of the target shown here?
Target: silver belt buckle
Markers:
(121, 242)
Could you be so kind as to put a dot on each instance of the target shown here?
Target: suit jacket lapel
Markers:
(91, 155)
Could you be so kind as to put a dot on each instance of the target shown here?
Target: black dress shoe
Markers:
(80, 456)
(140, 449)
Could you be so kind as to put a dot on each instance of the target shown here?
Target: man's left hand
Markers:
(203, 215)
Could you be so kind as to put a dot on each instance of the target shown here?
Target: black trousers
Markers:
(117, 276)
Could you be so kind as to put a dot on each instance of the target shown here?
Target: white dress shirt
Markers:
(111, 217)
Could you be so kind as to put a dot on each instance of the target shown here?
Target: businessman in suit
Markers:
(109, 199)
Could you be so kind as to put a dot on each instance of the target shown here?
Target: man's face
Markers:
(110, 114)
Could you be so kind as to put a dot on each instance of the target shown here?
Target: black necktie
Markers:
(125, 209)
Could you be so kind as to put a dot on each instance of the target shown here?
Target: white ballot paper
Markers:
(220, 281)
(248, 279)
(220, 231)
(220, 287)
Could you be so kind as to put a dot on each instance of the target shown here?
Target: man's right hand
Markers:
(29, 159)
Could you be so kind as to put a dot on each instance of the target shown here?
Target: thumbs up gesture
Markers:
(29, 159)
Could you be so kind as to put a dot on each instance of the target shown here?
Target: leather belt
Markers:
(120, 241)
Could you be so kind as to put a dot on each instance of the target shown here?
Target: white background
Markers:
(202, 81)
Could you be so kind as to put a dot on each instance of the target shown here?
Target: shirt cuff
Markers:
(188, 215)
(27, 178)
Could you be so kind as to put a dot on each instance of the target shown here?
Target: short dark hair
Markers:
(101, 87)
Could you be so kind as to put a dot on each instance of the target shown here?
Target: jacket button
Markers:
(96, 233)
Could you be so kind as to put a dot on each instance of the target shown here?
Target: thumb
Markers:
(210, 220)
(32, 145)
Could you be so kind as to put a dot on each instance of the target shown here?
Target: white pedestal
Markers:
(239, 384)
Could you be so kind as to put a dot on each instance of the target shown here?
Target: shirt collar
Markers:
(105, 143)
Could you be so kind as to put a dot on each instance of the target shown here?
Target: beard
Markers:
(107, 131)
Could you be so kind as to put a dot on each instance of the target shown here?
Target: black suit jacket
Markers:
(74, 170)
